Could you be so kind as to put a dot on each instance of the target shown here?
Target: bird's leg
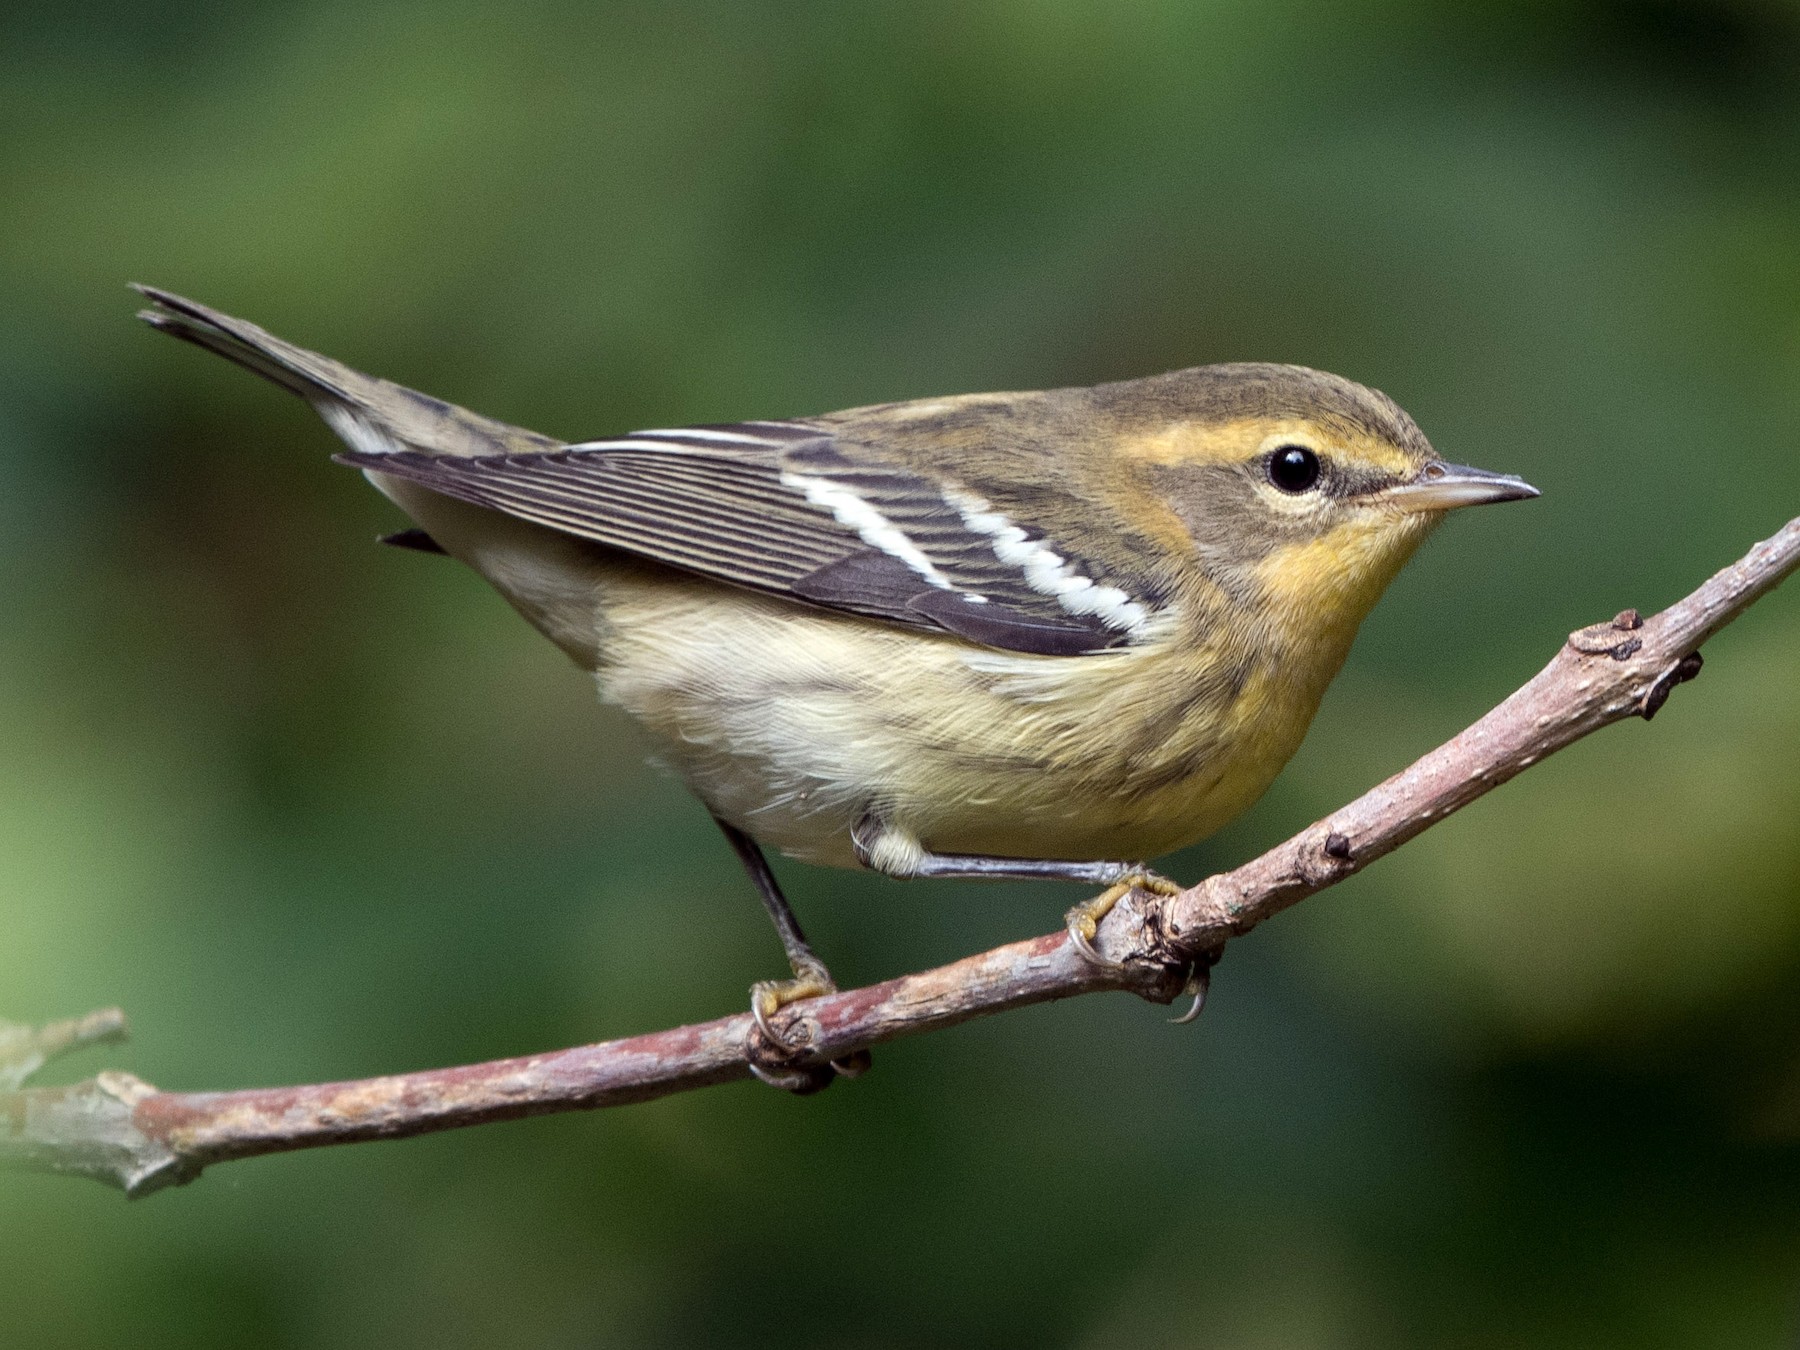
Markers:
(811, 978)
(1119, 878)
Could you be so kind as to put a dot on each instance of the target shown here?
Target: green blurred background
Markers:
(311, 809)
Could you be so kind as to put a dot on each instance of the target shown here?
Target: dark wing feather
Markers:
(778, 508)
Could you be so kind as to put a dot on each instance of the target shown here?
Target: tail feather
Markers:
(369, 414)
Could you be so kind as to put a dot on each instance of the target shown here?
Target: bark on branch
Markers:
(118, 1129)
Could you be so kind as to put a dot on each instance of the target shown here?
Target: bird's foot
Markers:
(778, 1061)
(1084, 919)
(1199, 982)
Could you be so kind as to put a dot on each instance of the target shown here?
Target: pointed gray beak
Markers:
(1444, 487)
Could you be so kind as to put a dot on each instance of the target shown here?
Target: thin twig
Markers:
(118, 1129)
(24, 1050)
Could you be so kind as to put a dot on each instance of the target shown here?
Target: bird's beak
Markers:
(1444, 487)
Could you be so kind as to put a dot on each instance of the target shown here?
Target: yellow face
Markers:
(1307, 518)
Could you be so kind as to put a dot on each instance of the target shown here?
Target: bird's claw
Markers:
(1083, 920)
(1199, 980)
(771, 1056)
(1085, 945)
(802, 1080)
(768, 997)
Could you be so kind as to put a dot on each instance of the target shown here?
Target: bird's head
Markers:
(1300, 493)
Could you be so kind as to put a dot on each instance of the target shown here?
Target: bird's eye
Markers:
(1293, 468)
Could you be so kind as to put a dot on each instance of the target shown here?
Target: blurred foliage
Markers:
(308, 809)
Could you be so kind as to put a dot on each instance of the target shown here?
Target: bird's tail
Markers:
(369, 414)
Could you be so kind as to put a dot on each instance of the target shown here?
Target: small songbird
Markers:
(1048, 634)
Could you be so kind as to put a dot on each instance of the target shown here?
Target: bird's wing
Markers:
(784, 508)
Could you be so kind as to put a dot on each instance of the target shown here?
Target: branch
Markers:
(120, 1130)
(24, 1050)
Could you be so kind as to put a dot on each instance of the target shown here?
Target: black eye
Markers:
(1293, 468)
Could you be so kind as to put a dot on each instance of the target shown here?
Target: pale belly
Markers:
(795, 726)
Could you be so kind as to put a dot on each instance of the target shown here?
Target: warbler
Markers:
(1049, 634)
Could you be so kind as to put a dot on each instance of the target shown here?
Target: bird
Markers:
(1049, 634)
